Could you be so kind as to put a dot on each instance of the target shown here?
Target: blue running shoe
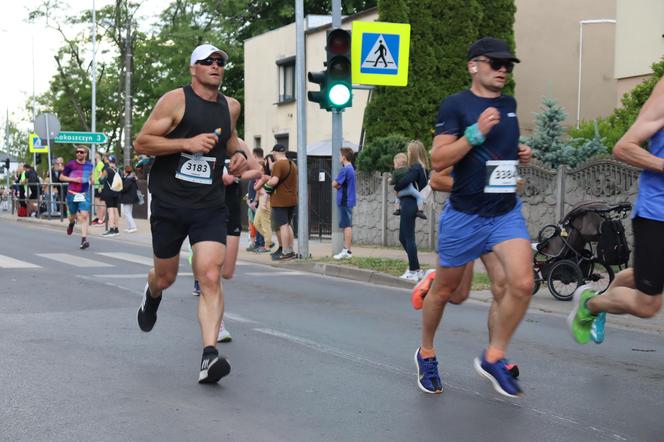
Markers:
(597, 329)
(501, 378)
(427, 374)
(197, 289)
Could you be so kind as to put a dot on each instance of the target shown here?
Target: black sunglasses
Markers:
(208, 62)
(497, 64)
(80, 151)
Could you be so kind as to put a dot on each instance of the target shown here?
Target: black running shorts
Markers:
(282, 215)
(233, 203)
(171, 225)
(648, 255)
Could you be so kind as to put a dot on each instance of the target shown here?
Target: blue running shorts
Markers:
(464, 237)
(78, 206)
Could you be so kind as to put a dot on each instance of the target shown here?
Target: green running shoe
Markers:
(580, 320)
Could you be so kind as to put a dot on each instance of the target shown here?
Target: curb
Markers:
(347, 272)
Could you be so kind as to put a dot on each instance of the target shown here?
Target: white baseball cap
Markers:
(204, 51)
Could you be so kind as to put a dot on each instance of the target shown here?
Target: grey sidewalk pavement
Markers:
(542, 301)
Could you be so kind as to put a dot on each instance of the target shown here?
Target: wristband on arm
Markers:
(473, 135)
(241, 153)
(268, 189)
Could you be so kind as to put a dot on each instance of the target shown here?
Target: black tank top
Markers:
(200, 116)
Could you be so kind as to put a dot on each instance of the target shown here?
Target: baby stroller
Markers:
(583, 249)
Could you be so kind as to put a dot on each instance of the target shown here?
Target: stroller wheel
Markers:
(537, 279)
(599, 276)
(564, 277)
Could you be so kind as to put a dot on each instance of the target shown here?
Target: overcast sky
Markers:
(17, 37)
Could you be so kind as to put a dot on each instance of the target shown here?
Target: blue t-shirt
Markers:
(650, 199)
(456, 113)
(346, 193)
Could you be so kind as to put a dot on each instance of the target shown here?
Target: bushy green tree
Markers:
(379, 153)
(440, 36)
(613, 127)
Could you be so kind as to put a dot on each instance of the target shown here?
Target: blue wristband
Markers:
(473, 135)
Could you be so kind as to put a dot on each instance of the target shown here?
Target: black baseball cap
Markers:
(492, 48)
(279, 148)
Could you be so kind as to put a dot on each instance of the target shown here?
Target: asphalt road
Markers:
(313, 359)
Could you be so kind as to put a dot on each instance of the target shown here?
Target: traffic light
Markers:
(338, 85)
(318, 97)
(335, 81)
(7, 164)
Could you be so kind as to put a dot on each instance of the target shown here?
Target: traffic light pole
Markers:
(301, 93)
(337, 139)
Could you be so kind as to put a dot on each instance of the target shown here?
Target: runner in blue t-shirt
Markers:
(345, 185)
(638, 290)
(477, 132)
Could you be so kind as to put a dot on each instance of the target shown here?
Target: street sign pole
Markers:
(48, 168)
(337, 137)
(300, 94)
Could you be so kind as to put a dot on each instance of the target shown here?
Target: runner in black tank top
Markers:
(191, 131)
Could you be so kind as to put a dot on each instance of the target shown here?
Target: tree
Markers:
(613, 127)
(440, 36)
(378, 154)
(551, 144)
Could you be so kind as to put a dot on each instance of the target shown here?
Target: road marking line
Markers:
(10, 263)
(238, 318)
(73, 260)
(132, 275)
(138, 259)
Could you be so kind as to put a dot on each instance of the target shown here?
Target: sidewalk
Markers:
(541, 302)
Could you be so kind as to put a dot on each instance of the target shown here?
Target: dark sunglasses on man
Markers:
(497, 64)
(208, 62)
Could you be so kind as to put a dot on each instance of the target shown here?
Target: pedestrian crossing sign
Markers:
(35, 144)
(380, 53)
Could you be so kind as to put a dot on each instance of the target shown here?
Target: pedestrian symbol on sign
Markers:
(380, 54)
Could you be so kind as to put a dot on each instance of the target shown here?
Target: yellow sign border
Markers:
(31, 144)
(362, 27)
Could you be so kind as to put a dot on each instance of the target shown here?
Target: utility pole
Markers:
(93, 125)
(337, 140)
(127, 106)
(300, 94)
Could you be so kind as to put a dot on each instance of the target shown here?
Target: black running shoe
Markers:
(276, 252)
(84, 244)
(147, 312)
(213, 367)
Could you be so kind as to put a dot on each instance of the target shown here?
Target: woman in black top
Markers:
(419, 164)
(129, 197)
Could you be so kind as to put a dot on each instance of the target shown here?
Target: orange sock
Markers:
(427, 353)
(493, 355)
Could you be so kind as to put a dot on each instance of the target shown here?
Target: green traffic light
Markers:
(339, 95)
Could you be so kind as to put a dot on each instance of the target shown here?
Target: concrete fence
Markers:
(547, 196)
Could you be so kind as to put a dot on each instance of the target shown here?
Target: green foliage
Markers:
(552, 146)
(378, 154)
(498, 21)
(615, 125)
(440, 36)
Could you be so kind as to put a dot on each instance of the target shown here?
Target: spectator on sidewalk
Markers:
(110, 197)
(100, 206)
(345, 185)
(57, 187)
(257, 241)
(399, 172)
(129, 197)
(282, 188)
(30, 180)
(263, 217)
(418, 167)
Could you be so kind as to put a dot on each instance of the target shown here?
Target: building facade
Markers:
(584, 53)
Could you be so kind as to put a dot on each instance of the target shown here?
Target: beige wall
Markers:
(265, 118)
(547, 42)
(639, 36)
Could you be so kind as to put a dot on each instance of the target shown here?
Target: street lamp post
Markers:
(578, 89)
